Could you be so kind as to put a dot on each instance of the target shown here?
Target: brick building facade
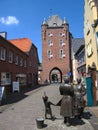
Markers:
(56, 53)
(18, 62)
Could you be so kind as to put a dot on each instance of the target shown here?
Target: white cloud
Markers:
(9, 20)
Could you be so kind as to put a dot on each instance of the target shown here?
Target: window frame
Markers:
(10, 57)
(3, 54)
(16, 60)
(21, 61)
(61, 42)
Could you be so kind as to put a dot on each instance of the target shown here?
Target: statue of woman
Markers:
(66, 109)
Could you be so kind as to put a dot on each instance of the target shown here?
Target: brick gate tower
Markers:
(56, 54)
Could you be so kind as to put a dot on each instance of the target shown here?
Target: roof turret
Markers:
(65, 21)
(44, 22)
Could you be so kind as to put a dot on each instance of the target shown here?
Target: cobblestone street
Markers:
(22, 114)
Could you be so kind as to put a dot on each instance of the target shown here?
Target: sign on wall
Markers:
(15, 86)
(1, 93)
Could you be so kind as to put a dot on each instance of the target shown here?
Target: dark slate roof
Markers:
(76, 44)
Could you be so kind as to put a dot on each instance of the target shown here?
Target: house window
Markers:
(16, 60)
(21, 62)
(30, 63)
(10, 56)
(5, 78)
(3, 53)
(25, 63)
(21, 78)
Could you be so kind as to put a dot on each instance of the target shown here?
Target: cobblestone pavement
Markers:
(22, 115)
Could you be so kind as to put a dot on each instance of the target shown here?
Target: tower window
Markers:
(61, 54)
(50, 55)
(54, 24)
(60, 34)
(50, 34)
(61, 42)
(49, 42)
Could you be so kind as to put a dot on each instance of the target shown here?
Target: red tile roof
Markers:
(23, 44)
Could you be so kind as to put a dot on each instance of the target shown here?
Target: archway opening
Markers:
(55, 75)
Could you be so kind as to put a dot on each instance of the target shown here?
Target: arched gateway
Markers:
(55, 75)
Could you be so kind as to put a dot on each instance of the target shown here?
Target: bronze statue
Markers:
(66, 109)
(47, 104)
(72, 103)
(79, 102)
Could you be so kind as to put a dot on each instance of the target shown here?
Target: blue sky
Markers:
(23, 18)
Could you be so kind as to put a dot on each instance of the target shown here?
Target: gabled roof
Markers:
(23, 44)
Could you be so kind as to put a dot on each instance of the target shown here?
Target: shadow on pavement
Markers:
(76, 121)
(87, 115)
(17, 96)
